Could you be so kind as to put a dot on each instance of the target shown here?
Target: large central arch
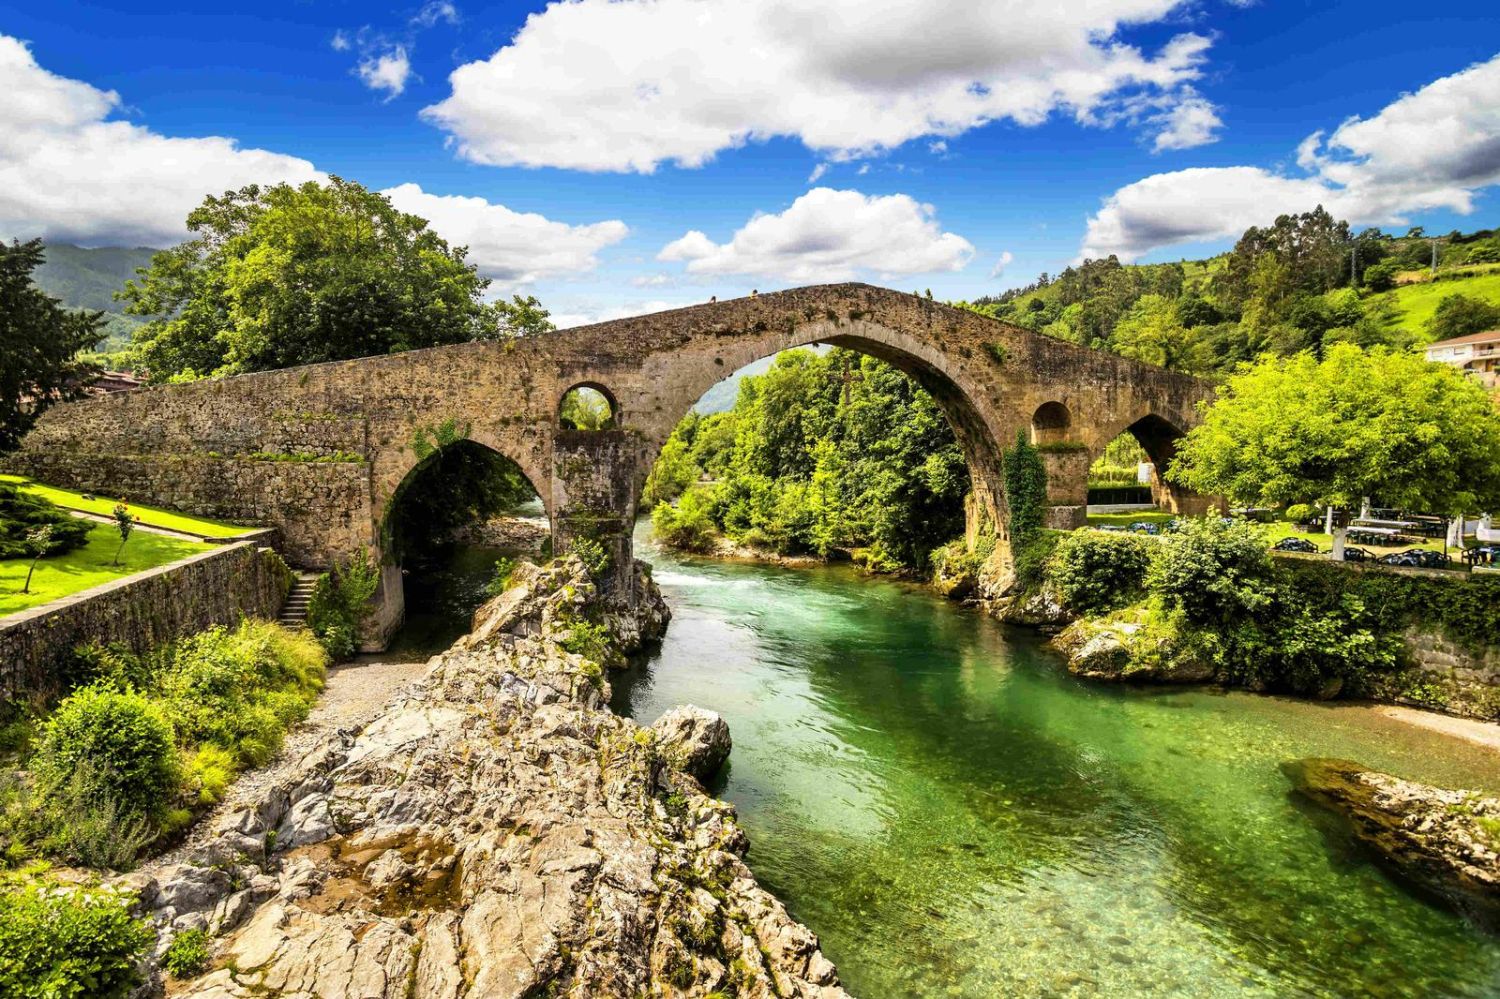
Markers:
(320, 452)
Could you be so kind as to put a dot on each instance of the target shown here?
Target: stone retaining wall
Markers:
(141, 611)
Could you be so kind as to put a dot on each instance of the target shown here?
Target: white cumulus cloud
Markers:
(1433, 148)
(387, 71)
(68, 173)
(625, 85)
(829, 235)
(1005, 261)
(511, 247)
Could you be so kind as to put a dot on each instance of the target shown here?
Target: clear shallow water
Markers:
(956, 816)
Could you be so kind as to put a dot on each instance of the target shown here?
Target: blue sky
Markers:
(621, 150)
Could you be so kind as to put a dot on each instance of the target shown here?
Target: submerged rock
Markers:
(1442, 841)
(696, 738)
(495, 832)
(1126, 651)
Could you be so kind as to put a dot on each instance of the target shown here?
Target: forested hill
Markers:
(88, 278)
(1301, 283)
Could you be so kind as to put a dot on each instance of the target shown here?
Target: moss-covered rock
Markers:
(1442, 841)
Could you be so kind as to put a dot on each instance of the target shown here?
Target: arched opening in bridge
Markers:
(822, 451)
(587, 407)
(1127, 473)
(456, 520)
(1051, 424)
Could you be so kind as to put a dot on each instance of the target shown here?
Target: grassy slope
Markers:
(147, 515)
(1415, 303)
(88, 566)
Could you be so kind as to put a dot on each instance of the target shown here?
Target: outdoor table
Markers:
(1371, 523)
(1382, 531)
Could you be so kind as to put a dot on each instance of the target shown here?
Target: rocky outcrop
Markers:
(697, 739)
(1126, 651)
(1442, 841)
(495, 832)
(525, 535)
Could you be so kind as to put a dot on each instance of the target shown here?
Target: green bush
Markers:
(23, 512)
(188, 954)
(68, 943)
(1031, 554)
(108, 745)
(594, 555)
(82, 826)
(499, 580)
(688, 526)
(1300, 513)
(1215, 572)
(1025, 488)
(339, 602)
(591, 641)
(1381, 276)
(1095, 571)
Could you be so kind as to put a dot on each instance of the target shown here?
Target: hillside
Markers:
(1415, 304)
(88, 278)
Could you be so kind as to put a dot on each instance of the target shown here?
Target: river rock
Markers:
(1126, 651)
(1442, 841)
(494, 832)
(696, 738)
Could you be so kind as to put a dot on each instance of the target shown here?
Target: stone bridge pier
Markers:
(324, 452)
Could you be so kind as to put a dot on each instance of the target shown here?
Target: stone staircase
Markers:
(294, 611)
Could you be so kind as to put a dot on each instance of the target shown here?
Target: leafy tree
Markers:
(39, 541)
(520, 317)
(39, 343)
(280, 276)
(1313, 247)
(1388, 425)
(1460, 315)
(21, 513)
(124, 523)
(1152, 331)
(585, 408)
(1382, 276)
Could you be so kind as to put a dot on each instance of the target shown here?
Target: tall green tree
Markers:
(1385, 425)
(279, 276)
(1460, 315)
(39, 344)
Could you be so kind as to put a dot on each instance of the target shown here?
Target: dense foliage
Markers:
(147, 738)
(22, 513)
(457, 483)
(68, 942)
(1025, 488)
(339, 603)
(279, 276)
(822, 453)
(1385, 425)
(1096, 572)
(1305, 282)
(39, 341)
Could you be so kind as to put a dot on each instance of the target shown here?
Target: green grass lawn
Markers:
(150, 516)
(1415, 303)
(82, 568)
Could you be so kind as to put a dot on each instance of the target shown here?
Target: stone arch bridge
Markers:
(321, 452)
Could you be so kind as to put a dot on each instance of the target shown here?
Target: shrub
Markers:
(1031, 554)
(1094, 571)
(1381, 276)
(339, 603)
(499, 580)
(1025, 488)
(22, 513)
(592, 642)
(1300, 513)
(1216, 572)
(67, 943)
(188, 954)
(82, 826)
(594, 555)
(119, 745)
(688, 526)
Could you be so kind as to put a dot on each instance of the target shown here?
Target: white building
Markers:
(1478, 354)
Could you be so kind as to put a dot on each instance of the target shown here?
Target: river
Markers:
(955, 815)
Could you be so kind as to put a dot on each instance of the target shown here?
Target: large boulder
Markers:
(1443, 841)
(494, 831)
(696, 739)
(1127, 651)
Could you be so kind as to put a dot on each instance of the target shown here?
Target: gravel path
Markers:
(353, 697)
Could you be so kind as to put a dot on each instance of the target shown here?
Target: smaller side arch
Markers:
(1052, 423)
(588, 406)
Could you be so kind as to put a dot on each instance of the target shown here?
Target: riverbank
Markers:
(494, 830)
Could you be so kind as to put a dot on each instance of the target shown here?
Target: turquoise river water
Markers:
(955, 815)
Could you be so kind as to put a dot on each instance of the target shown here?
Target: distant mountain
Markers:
(88, 279)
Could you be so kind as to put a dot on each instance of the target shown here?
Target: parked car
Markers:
(1295, 545)
(1352, 554)
(1145, 527)
(1421, 558)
